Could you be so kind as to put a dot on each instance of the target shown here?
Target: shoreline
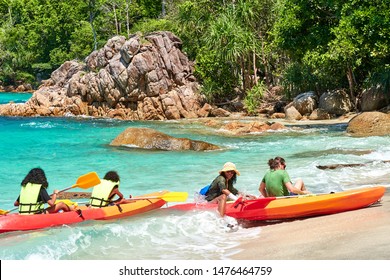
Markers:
(344, 119)
(361, 234)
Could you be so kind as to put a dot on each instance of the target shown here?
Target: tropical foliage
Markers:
(239, 46)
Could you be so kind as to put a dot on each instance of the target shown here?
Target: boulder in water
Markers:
(146, 138)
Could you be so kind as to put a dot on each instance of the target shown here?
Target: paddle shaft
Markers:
(168, 197)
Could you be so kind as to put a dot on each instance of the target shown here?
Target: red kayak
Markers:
(290, 207)
(15, 222)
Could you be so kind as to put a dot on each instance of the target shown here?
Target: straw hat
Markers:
(229, 166)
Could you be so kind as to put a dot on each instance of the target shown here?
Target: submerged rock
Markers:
(146, 138)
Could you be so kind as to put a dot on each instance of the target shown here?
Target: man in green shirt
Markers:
(276, 182)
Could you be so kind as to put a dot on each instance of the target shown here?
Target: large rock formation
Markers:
(335, 102)
(146, 138)
(305, 102)
(373, 99)
(369, 124)
(137, 79)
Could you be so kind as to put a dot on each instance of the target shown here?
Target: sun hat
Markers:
(229, 166)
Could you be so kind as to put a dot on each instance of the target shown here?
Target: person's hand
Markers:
(232, 197)
(56, 192)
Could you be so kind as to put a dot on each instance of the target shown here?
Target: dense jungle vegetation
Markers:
(239, 46)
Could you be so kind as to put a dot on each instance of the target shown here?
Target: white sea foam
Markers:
(193, 235)
(44, 125)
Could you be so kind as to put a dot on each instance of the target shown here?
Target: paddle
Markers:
(85, 181)
(168, 197)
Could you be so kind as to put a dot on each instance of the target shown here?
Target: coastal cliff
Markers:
(142, 78)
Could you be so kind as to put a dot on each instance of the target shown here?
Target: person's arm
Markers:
(52, 200)
(229, 194)
(232, 193)
(292, 189)
(114, 192)
(262, 189)
(16, 203)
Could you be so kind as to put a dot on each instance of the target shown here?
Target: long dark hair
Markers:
(233, 179)
(36, 176)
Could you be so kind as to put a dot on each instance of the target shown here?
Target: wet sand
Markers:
(362, 234)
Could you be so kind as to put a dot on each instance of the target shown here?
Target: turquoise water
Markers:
(69, 147)
(6, 97)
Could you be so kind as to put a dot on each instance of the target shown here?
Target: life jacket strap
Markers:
(101, 202)
(30, 209)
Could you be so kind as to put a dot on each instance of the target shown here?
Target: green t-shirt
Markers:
(274, 182)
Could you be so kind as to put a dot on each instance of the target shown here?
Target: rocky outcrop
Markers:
(334, 166)
(146, 138)
(240, 128)
(73, 195)
(320, 114)
(292, 113)
(20, 87)
(335, 102)
(373, 99)
(369, 124)
(307, 106)
(305, 103)
(140, 78)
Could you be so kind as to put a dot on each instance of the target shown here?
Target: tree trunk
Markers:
(265, 63)
(243, 73)
(91, 19)
(351, 82)
(128, 19)
(254, 68)
(163, 12)
(116, 20)
(10, 15)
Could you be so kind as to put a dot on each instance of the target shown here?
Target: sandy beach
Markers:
(362, 234)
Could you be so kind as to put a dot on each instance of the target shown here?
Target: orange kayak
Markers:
(15, 222)
(276, 208)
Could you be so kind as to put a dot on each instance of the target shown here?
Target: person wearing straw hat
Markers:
(222, 189)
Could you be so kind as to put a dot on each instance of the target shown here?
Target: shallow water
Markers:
(7, 97)
(69, 147)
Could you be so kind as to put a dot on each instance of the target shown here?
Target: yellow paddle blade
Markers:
(168, 197)
(85, 181)
(3, 212)
(175, 196)
(88, 180)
